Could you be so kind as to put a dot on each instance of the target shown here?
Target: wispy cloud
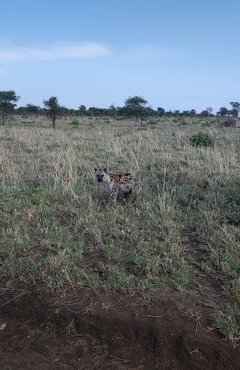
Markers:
(148, 52)
(57, 51)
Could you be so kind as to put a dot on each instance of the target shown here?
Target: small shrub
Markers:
(75, 123)
(227, 322)
(202, 139)
(152, 123)
(206, 124)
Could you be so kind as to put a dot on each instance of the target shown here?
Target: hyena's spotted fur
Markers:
(125, 183)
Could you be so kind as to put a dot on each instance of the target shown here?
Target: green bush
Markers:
(75, 123)
(152, 123)
(208, 123)
(202, 139)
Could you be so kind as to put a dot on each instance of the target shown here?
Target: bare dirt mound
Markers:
(84, 330)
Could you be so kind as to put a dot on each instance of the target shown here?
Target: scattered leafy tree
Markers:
(136, 106)
(33, 109)
(204, 113)
(223, 111)
(64, 111)
(236, 108)
(112, 110)
(82, 109)
(53, 108)
(192, 112)
(7, 103)
(186, 113)
(94, 111)
(169, 113)
(161, 111)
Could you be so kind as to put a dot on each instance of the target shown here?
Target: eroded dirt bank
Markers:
(85, 330)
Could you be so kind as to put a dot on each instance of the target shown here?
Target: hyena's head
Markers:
(102, 175)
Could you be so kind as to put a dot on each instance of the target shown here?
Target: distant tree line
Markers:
(135, 106)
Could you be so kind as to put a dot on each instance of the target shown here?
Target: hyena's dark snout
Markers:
(100, 178)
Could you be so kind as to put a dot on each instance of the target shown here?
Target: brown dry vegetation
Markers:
(180, 239)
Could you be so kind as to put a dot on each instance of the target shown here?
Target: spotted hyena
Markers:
(125, 183)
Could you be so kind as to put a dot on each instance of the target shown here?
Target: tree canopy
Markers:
(53, 107)
(137, 106)
(236, 108)
(7, 102)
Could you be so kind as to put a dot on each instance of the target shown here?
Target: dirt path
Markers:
(211, 294)
(84, 330)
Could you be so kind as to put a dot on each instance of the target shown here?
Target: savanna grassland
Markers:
(181, 237)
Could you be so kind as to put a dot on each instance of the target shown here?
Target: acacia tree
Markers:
(112, 110)
(82, 109)
(204, 113)
(161, 111)
(53, 109)
(236, 108)
(136, 106)
(32, 109)
(223, 111)
(7, 103)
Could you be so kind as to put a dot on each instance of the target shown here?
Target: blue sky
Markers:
(177, 54)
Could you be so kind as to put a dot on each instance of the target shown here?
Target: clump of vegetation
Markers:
(53, 214)
(152, 123)
(202, 139)
(229, 122)
(53, 109)
(208, 123)
(75, 123)
(136, 106)
(7, 103)
(228, 322)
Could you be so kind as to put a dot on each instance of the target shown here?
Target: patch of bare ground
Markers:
(82, 329)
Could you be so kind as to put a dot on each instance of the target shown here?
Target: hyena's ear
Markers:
(105, 170)
(95, 169)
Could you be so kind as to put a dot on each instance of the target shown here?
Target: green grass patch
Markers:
(57, 227)
(227, 321)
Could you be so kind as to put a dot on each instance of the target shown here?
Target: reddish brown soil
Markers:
(83, 329)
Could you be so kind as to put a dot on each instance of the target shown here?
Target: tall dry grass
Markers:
(57, 227)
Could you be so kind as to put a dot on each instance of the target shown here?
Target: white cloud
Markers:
(59, 51)
(149, 52)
